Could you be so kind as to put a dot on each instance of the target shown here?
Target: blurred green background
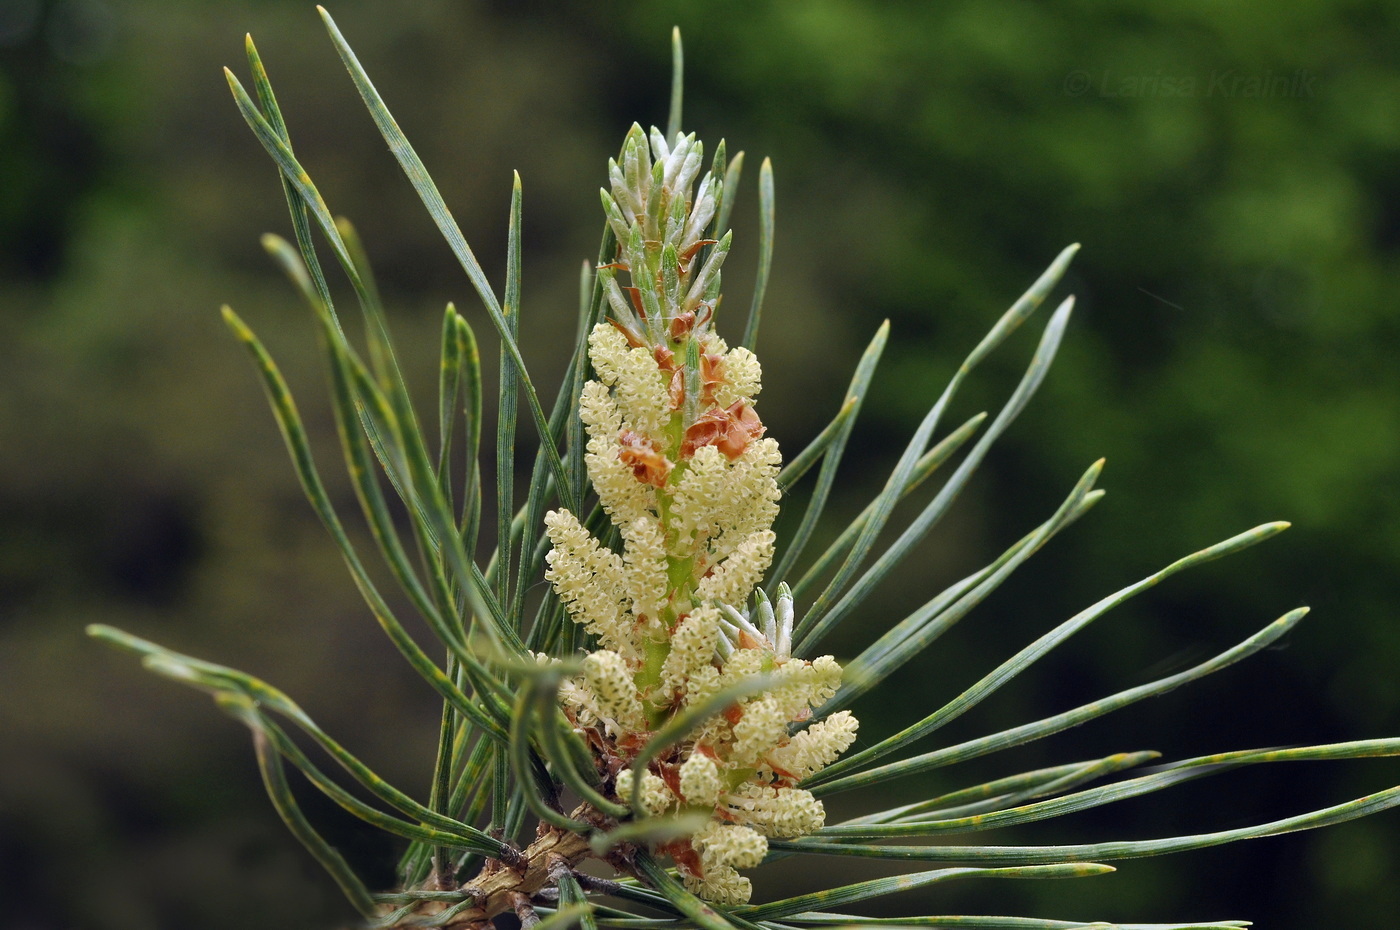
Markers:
(1233, 171)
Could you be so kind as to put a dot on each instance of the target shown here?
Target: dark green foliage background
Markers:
(1233, 356)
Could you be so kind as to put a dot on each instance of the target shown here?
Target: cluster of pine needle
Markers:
(662, 710)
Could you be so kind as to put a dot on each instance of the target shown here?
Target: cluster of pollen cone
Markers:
(677, 456)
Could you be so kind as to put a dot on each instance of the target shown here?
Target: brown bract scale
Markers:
(632, 338)
(689, 253)
(675, 390)
(729, 429)
(682, 324)
(666, 363)
(711, 376)
(640, 454)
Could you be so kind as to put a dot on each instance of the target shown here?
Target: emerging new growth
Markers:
(677, 456)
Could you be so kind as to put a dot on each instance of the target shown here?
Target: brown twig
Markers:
(510, 885)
